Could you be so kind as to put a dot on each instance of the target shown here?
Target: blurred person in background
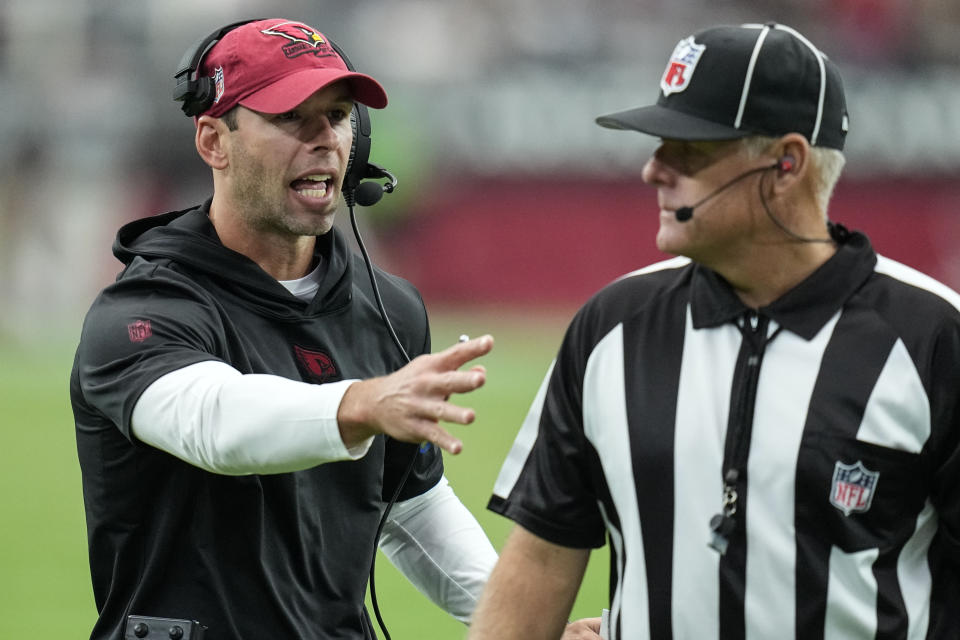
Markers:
(766, 428)
(242, 412)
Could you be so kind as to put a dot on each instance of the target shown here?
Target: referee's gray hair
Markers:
(827, 166)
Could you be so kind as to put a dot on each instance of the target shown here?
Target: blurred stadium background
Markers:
(512, 208)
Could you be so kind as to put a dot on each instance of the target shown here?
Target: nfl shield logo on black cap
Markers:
(679, 71)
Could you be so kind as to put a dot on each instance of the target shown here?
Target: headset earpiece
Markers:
(786, 163)
(197, 92)
(357, 168)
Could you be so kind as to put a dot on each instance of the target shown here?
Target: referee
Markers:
(765, 428)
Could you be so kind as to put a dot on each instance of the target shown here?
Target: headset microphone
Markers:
(682, 214)
(369, 193)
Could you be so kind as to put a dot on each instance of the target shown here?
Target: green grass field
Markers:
(45, 588)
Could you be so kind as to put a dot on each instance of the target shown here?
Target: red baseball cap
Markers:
(273, 65)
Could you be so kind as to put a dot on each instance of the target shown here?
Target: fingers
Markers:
(441, 438)
(593, 624)
(410, 403)
(451, 380)
(430, 430)
(585, 629)
(461, 353)
(446, 412)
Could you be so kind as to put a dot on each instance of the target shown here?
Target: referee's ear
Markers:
(211, 142)
(793, 156)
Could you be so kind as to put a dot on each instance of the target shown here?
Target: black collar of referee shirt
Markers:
(803, 310)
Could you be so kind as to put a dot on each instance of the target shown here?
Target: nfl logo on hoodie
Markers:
(679, 71)
(853, 487)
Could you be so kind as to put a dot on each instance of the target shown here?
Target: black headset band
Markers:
(194, 55)
(186, 87)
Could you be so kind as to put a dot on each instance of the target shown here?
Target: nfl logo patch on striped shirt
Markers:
(853, 487)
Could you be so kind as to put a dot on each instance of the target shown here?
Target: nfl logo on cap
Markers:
(218, 84)
(676, 77)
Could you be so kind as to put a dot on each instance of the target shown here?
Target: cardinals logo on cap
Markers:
(302, 39)
(679, 71)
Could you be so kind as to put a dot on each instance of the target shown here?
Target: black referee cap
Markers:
(730, 82)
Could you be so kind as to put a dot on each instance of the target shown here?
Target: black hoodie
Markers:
(250, 557)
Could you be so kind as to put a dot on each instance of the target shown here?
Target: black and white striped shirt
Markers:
(838, 408)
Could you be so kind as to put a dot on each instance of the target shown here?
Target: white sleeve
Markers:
(435, 541)
(216, 418)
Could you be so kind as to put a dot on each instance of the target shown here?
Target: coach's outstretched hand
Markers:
(410, 403)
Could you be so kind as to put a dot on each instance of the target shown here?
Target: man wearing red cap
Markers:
(766, 428)
(242, 412)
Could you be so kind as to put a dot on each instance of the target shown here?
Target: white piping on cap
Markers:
(823, 79)
(749, 78)
(756, 52)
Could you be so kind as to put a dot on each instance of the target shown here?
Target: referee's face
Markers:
(286, 170)
(695, 174)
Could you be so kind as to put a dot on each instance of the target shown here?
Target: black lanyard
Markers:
(753, 327)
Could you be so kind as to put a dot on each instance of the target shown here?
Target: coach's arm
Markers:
(531, 592)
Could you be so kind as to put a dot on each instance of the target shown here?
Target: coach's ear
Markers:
(211, 141)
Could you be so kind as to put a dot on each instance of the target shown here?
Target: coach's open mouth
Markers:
(312, 186)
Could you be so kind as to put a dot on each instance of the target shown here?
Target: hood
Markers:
(189, 240)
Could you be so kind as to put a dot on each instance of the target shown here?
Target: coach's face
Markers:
(285, 171)
(684, 173)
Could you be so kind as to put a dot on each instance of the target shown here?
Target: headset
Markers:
(197, 93)
(785, 164)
